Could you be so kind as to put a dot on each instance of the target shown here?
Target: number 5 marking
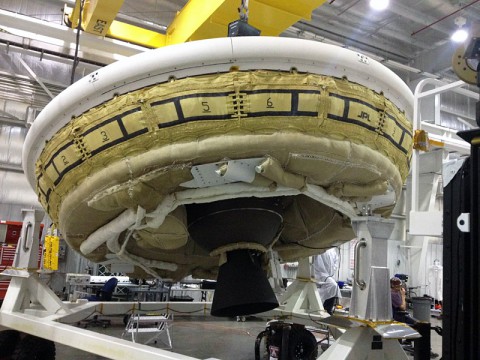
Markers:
(206, 107)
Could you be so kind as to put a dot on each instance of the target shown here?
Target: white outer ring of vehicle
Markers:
(207, 57)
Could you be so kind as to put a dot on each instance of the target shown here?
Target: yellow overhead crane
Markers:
(197, 20)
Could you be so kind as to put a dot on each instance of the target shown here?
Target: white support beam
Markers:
(448, 137)
(419, 94)
(442, 87)
(104, 345)
(11, 167)
(35, 77)
(91, 47)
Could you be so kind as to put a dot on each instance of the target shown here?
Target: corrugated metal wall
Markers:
(21, 99)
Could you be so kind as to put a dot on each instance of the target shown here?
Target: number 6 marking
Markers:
(270, 104)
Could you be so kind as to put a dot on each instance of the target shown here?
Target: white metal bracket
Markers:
(463, 222)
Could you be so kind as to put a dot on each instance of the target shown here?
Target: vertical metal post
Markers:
(422, 345)
(455, 202)
(473, 270)
(26, 254)
(461, 320)
(371, 290)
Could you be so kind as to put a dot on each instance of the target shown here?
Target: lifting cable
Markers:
(243, 11)
(77, 42)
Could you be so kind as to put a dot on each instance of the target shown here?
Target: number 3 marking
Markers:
(104, 136)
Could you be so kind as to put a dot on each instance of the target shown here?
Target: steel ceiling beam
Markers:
(61, 37)
(98, 18)
(367, 28)
(418, 17)
(7, 120)
(96, 15)
(209, 19)
(11, 167)
(197, 20)
(35, 77)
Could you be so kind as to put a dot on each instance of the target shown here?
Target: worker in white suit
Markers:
(325, 268)
(435, 281)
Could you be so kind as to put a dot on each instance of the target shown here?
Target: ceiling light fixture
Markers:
(379, 4)
(460, 35)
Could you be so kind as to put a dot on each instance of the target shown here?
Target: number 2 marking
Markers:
(64, 160)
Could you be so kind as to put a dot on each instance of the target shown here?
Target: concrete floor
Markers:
(436, 340)
(205, 338)
(201, 338)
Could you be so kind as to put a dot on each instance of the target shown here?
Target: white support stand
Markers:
(33, 308)
(302, 301)
(371, 333)
(30, 306)
(364, 343)
(302, 297)
(371, 298)
(26, 292)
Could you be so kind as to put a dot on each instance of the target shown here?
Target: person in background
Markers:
(325, 267)
(399, 303)
(400, 313)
